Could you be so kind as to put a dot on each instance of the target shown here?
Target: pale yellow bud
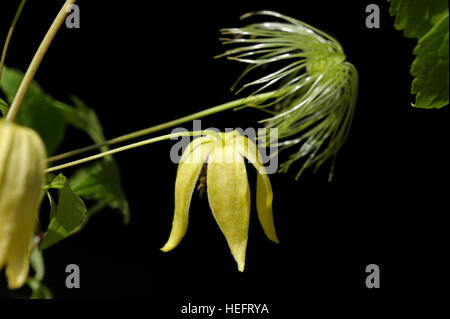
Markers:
(22, 165)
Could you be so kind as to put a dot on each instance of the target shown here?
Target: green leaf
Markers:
(37, 110)
(3, 107)
(37, 263)
(70, 214)
(430, 68)
(57, 182)
(82, 117)
(101, 182)
(416, 17)
(40, 291)
(49, 117)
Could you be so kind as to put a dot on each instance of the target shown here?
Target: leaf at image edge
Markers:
(431, 67)
(416, 17)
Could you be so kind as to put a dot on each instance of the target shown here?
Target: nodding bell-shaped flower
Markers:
(228, 189)
(22, 164)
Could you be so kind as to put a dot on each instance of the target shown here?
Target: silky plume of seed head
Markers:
(316, 86)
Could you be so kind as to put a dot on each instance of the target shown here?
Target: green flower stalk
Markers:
(319, 88)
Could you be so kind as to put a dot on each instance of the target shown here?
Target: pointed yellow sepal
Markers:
(189, 169)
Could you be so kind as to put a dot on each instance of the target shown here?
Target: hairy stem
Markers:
(10, 32)
(34, 65)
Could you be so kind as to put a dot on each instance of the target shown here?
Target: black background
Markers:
(143, 65)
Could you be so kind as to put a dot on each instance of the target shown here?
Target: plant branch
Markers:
(34, 65)
(159, 127)
(121, 149)
(10, 32)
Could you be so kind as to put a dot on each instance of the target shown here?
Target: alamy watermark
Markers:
(266, 140)
(73, 277)
(73, 17)
(373, 19)
(373, 277)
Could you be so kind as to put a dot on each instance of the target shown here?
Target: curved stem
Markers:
(10, 32)
(34, 65)
(123, 148)
(152, 129)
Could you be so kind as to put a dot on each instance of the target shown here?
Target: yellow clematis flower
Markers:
(22, 164)
(228, 189)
